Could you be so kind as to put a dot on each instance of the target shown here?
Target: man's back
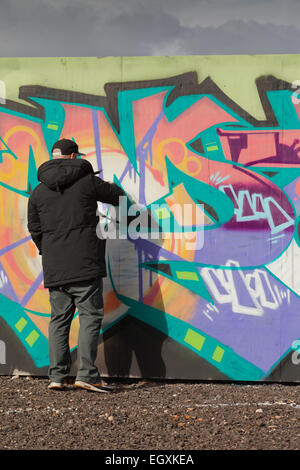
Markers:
(62, 220)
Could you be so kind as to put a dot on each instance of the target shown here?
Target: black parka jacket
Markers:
(62, 220)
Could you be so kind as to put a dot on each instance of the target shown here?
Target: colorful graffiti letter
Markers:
(223, 298)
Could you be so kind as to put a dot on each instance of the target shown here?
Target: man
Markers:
(62, 222)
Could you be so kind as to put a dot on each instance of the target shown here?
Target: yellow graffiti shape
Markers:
(185, 163)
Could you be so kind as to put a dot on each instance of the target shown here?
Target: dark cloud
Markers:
(140, 27)
(240, 37)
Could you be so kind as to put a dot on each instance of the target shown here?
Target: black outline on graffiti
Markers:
(184, 85)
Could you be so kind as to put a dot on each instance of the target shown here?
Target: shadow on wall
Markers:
(130, 347)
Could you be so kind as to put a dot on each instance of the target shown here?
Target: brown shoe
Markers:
(55, 386)
(98, 387)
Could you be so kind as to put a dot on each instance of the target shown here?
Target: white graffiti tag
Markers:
(257, 207)
(248, 293)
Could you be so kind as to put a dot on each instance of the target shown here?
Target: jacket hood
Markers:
(59, 173)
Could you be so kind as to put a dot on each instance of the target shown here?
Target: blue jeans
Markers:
(87, 297)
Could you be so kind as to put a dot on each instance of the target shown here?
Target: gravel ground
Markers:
(149, 415)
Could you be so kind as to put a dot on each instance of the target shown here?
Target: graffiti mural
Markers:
(226, 309)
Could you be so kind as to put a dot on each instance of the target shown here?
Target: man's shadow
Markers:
(134, 334)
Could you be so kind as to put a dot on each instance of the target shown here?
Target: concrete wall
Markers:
(219, 134)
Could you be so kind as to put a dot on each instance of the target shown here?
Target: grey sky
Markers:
(147, 27)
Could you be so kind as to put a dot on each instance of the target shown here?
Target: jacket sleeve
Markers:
(34, 224)
(107, 192)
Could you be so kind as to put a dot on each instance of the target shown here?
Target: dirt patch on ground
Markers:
(149, 415)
